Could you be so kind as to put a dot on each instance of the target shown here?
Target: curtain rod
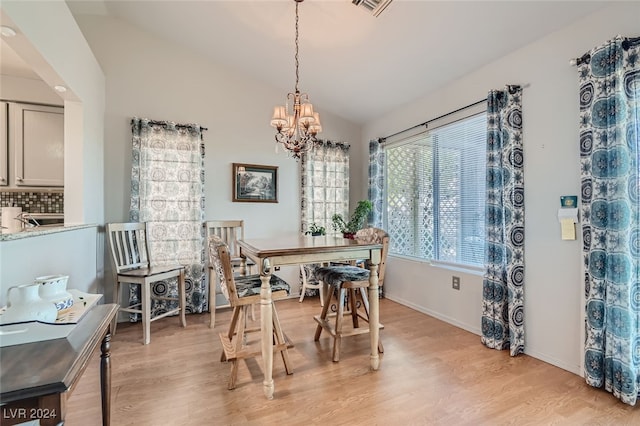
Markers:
(510, 87)
(164, 123)
(626, 44)
(381, 140)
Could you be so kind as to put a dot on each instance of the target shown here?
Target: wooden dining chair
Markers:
(230, 231)
(348, 284)
(309, 281)
(242, 292)
(130, 255)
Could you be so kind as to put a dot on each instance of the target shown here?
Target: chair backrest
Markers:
(220, 262)
(230, 231)
(128, 242)
(379, 236)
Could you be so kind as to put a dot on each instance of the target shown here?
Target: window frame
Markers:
(414, 135)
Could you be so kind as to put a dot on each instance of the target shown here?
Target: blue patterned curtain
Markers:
(167, 192)
(609, 78)
(503, 284)
(376, 183)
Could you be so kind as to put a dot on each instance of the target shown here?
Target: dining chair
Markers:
(243, 292)
(348, 283)
(230, 231)
(307, 273)
(130, 255)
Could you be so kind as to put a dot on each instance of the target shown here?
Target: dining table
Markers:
(294, 249)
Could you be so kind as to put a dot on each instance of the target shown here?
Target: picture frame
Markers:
(255, 183)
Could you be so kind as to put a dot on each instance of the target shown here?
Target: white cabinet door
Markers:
(37, 135)
(4, 145)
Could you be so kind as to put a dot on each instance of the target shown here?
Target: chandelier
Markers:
(297, 126)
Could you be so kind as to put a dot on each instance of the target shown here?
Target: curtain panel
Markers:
(325, 183)
(167, 192)
(609, 78)
(376, 183)
(324, 191)
(503, 283)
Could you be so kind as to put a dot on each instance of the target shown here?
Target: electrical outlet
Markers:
(276, 268)
(455, 283)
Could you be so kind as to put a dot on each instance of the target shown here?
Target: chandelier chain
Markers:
(296, 56)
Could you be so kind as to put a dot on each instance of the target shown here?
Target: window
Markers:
(435, 192)
(325, 184)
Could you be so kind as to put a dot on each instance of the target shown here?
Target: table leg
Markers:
(374, 314)
(105, 378)
(266, 325)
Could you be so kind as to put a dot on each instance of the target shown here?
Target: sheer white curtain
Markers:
(167, 181)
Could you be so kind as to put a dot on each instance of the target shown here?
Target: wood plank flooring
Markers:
(431, 373)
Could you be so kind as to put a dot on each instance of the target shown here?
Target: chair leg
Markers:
(354, 307)
(321, 290)
(232, 328)
(183, 299)
(238, 347)
(212, 308)
(339, 315)
(304, 283)
(365, 305)
(325, 309)
(118, 298)
(280, 340)
(145, 300)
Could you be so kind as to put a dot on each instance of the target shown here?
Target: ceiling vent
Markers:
(374, 6)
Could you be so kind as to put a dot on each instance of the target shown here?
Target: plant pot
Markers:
(349, 235)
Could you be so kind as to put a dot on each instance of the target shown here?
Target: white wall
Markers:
(70, 253)
(553, 282)
(50, 41)
(149, 77)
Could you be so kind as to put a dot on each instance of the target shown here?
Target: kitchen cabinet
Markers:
(36, 145)
(4, 145)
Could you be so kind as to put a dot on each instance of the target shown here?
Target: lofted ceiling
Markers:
(351, 63)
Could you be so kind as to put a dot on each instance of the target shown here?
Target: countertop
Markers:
(42, 230)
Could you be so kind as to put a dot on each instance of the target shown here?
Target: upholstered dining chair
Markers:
(242, 292)
(130, 255)
(230, 231)
(348, 284)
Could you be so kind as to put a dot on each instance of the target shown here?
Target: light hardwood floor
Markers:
(431, 373)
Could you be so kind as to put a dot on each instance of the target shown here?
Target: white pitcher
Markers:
(53, 288)
(25, 304)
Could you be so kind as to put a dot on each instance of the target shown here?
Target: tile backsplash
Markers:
(34, 202)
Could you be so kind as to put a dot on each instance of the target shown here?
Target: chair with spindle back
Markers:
(130, 255)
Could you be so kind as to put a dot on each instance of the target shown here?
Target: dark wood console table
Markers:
(37, 378)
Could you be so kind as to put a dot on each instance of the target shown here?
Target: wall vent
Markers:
(374, 6)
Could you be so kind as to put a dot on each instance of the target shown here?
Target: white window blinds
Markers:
(435, 192)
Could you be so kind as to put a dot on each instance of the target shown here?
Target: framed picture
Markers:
(254, 183)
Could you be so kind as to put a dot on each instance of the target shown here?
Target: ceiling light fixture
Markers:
(7, 31)
(60, 89)
(297, 127)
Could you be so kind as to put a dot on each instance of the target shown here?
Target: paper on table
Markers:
(568, 228)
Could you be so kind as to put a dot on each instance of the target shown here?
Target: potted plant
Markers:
(315, 230)
(356, 221)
